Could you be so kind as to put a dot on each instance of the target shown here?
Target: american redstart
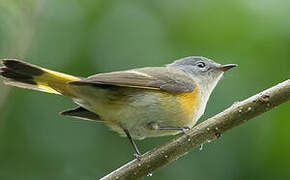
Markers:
(138, 103)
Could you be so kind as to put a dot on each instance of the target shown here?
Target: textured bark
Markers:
(209, 130)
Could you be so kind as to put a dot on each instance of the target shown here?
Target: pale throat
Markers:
(206, 87)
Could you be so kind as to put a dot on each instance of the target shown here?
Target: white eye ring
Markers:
(200, 64)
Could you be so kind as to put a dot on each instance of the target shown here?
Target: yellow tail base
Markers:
(24, 75)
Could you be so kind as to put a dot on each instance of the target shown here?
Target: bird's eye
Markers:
(200, 64)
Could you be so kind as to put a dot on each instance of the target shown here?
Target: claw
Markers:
(185, 129)
(137, 156)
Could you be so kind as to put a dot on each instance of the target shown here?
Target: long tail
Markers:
(24, 75)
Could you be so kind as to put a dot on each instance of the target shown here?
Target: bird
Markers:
(137, 103)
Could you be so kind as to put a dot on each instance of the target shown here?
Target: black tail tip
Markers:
(19, 71)
(10, 62)
(22, 67)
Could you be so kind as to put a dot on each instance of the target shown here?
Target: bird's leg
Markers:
(183, 129)
(155, 126)
(137, 154)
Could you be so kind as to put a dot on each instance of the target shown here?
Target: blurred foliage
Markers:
(85, 37)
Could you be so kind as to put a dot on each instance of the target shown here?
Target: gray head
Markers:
(205, 72)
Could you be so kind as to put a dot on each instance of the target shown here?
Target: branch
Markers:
(211, 129)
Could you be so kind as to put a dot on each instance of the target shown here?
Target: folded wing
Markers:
(158, 78)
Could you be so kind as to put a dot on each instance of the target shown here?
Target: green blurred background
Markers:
(84, 37)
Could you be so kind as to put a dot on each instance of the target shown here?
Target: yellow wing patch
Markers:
(142, 87)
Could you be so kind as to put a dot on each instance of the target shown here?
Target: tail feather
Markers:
(8, 73)
(21, 67)
(24, 75)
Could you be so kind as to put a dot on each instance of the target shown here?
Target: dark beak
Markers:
(226, 67)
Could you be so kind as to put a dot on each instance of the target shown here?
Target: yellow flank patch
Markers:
(189, 101)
